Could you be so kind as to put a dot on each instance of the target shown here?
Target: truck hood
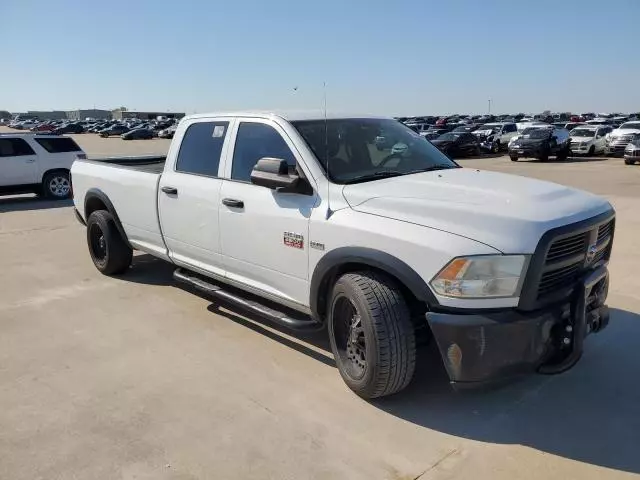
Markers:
(619, 132)
(507, 212)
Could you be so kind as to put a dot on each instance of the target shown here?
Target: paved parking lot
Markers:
(135, 377)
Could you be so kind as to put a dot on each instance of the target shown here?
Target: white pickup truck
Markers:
(307, 222)
(37, 163)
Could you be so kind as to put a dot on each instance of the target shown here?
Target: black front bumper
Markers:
(482, 348)
(533, 152)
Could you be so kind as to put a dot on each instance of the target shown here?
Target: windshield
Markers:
(635, 125)
(582, 132)
(537, 132)
(362, 149)
(449, 137)
(488, 126)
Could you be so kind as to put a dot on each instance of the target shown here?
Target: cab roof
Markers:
(291, 115)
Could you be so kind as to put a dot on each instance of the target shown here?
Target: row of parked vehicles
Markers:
(130, 129)
(532, 138)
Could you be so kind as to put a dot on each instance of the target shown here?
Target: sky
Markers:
(391, 57)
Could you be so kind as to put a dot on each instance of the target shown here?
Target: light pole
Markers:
(489, 105)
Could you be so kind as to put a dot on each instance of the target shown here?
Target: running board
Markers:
(216, 291)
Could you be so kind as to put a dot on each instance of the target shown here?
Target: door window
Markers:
(14, 147)
(253, 142)
(58, 145)
(201, 148)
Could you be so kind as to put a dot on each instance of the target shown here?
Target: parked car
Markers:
(113, 130)
(472, 127)
(69, 128)
(632, 151)
(541, 143)
(495, 136)
(138, 134)
(372, 249)
(168, 132)
(37, 163)
(458, 144)
(589, 139)
(619, 138)
(43, 127)
(434, 133)
(419, 127)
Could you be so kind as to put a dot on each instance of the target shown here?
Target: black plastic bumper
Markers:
(482, 348)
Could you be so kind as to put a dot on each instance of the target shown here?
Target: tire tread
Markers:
(390, 318)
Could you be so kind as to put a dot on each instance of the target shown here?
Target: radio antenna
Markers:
(326, 147)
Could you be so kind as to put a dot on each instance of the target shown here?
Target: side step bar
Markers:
(216, 291)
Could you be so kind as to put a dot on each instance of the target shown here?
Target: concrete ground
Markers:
(137, 378)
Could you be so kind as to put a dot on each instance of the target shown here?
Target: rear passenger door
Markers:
(189, 195)
(18, 163)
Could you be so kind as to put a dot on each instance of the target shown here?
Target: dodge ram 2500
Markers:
(317, 222)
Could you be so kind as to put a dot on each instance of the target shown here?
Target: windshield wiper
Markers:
(395, 173)
(444, 166)
(375, 176)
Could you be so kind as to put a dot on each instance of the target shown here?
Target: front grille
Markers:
(567, 247)
(566, 258)
(604, 231)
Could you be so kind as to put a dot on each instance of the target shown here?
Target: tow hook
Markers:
(589, 314)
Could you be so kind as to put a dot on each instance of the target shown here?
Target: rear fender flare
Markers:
(94, 194)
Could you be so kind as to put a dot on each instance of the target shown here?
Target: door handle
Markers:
(233, 203)
(31, 160)
(170, 190)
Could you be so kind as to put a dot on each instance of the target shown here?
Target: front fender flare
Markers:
(333, 260)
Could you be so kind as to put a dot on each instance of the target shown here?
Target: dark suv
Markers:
(541, 143)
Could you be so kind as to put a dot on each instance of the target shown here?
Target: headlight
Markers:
(481, 276)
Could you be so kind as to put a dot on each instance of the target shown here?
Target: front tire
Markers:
(109, 252)
(371, 334)
(56, 185)
(592, 150)
(514, 158)
(628, 161)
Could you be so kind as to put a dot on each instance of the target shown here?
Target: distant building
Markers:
(120, 114)
(5, 114)
(48, 115)
(91, 113)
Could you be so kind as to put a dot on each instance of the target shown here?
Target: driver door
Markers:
(264, 233)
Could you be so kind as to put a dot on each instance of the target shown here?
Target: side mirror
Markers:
(273, 173)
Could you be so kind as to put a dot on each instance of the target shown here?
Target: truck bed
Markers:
(149, 164)
(131, 185)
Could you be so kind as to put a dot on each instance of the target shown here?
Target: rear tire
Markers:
(514, 158)
(109, 252)
(371, 334)
(56, 185)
